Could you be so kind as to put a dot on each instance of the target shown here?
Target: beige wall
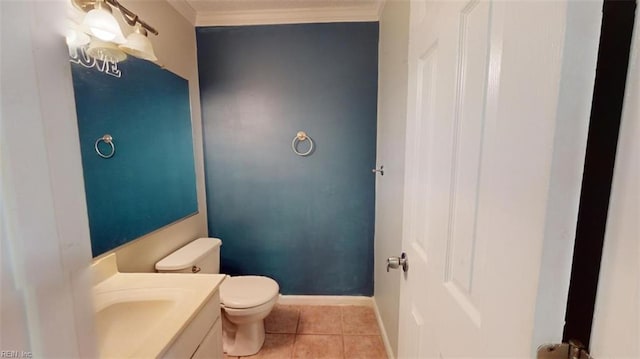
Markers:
(175, 47)
(392, 111)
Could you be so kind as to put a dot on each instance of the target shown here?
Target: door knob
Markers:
(395, 262)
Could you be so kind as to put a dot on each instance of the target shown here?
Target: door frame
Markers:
(604, 124)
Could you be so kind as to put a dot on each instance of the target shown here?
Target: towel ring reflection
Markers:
(108, 140)
(301, 136)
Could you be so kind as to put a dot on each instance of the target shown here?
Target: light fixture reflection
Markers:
(139, 45)
(105, 51)
(76, 38)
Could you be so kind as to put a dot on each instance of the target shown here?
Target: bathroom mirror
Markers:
(144, 178)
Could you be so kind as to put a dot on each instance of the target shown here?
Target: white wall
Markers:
(46, 307)
(616, 322)
(392, 110)
(175, 48)
(580, 50)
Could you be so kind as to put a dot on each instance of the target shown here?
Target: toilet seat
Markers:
(245, 292)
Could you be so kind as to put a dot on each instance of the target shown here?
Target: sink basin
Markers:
(126, 318)
(139, 315)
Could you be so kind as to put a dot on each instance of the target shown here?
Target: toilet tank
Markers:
(199, 256)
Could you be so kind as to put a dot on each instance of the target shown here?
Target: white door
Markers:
(484, 87)
(616, 324)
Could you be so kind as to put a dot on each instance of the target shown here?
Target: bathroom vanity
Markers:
(202, 338)
(156, 315)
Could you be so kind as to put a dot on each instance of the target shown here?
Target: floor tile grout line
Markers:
(295, 335)
(344, 354)
(298, 309)
(342, 321)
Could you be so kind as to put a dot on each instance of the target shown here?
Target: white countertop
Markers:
(139, 315)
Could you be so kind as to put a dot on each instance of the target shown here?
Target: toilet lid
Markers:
(247, 291)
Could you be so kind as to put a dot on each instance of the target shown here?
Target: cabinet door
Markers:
(211, 346)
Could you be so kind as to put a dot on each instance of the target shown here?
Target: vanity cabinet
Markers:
(202, 338)
(211, 346)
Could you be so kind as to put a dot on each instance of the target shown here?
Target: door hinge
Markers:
(572, 350)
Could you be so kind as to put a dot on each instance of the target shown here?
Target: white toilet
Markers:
(245, 300)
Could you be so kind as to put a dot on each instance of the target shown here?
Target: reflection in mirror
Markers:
(134, 123)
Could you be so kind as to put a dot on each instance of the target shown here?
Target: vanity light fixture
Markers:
(138, 44)
(75, 37)
(99, 49)
(100, 23)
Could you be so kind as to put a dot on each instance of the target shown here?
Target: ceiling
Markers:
(254, 12)
(244, 5)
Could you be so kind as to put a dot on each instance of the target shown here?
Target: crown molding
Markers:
(290, 16)
(380, 6)
(183, 7)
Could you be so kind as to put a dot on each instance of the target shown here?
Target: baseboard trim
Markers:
(325, 300)
(383, 331)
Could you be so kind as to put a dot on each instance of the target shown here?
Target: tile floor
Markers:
(321, 332)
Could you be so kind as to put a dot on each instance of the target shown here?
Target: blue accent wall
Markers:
(150, 181)
(305, 221)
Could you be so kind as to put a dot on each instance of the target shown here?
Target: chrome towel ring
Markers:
(301, 136)
(108, 140)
